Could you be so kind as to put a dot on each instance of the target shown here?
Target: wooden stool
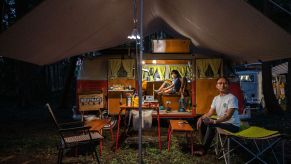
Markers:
(98, 125)
(182, 126)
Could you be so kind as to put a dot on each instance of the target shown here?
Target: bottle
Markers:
(128, 100)
(135, 103)
(181, 105)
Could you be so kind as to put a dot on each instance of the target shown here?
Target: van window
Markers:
(246, 78)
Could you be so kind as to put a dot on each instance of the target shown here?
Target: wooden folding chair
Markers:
(74, 134)
(89, 102)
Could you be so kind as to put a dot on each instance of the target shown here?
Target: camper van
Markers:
(115, 76)
(251, 85)
(102, 74)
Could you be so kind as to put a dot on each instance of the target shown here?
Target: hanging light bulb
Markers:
(134, 35)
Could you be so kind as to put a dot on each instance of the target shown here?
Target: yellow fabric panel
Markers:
(205, 92)
(162, 71)
(114, 66)
(255, 132)
(172, 67)
(202, 65)
(215, 66)
(128, 65)
(153, 71)
(145, 74)
(182, 70)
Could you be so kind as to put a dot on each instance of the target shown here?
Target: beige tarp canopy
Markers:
(58, 29)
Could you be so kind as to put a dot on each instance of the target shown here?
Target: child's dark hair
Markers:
(176, 72)
(223, 77)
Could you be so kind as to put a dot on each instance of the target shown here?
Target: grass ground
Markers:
(28, 136)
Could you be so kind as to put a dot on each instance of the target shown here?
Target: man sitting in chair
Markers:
(225, 105)
(171, 88)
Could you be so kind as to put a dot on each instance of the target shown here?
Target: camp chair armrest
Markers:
(75, 129)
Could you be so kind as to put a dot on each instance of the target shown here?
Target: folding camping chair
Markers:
(73, 135)
(262, 139)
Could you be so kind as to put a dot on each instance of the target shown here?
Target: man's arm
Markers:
(208, 114)
(226, 116)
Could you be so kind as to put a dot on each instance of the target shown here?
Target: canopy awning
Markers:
(55, 29)
(280, 69)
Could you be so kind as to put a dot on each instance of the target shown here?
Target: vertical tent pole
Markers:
(139, 75)
(288, 93)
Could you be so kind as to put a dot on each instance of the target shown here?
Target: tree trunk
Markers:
(68, 97)
(272, 104)
(1, 15)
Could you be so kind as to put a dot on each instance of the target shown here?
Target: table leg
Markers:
(101, 142)
(111, 130)
(192, 144)
(118, 128)
(129, 121)
(111, 133)
(159, 132)
(169, 137)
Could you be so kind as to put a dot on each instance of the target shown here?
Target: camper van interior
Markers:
(118, 79)
(122, 83)
(156, 72)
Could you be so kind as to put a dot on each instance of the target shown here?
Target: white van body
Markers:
(251, 85)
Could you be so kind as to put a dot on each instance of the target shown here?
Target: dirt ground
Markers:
(28, 136)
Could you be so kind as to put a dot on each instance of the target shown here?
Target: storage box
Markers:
(170, 46)
(89, 102)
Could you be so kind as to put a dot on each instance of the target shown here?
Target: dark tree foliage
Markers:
(25, 84)
(8, 13)
(13, 10)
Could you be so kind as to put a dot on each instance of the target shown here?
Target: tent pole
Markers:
(272, 104)
(139, 75)
(288, 94)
